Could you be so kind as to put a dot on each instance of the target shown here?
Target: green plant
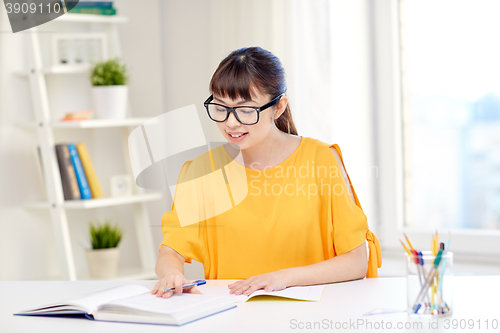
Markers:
(104, 236)
(109, 73)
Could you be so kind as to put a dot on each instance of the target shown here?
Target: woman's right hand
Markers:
(173, 279)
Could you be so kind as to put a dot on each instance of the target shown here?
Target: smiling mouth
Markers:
(236, 135)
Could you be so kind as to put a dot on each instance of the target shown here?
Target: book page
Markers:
(153, 304)
(89, 303)
(303, 293)
(92, 301)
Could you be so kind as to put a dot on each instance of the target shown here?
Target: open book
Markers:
(307, 293)
(136, 304)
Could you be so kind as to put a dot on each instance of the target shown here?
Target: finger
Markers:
(243, 288)
(160, 285)
(161, 289)
(194, 290)
(237, 283)
(254, 287)
(160, 292)
(237, 288)
(168, 294)
(155, 289)
(187, 289)
(178, 285)
(273, 287)
(158, 288)
(234, 287)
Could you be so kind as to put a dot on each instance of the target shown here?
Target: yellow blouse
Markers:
(294, 214)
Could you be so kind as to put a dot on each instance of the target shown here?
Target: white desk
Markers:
(475, 298)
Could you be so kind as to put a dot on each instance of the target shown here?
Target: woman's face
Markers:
(246, 136)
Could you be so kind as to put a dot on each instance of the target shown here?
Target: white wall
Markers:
(198, 34)
(25, 252)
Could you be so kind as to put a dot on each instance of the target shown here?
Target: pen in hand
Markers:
(192, 284)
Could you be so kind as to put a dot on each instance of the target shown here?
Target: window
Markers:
(451, 113)
(455, 59)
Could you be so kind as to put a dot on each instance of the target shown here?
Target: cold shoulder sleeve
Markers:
(350, 226)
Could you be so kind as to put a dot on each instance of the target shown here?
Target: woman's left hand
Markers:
(269, 282)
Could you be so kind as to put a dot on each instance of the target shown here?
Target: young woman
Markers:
(296, 221)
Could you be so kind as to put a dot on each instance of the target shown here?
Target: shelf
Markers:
(102, 202)
(38, 72)
(93, 123)
(70, 69)
(91, 18)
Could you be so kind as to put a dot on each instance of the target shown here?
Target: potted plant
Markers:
(109, 89)
(104, 255)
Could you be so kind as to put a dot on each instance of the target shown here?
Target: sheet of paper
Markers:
(92, 301)
(307, 293)
(382, 311)
(89, 303)
(176, 303)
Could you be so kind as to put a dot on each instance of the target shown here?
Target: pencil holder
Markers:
(429, 284)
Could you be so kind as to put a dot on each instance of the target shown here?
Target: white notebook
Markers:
(307, 293)
(136, 304)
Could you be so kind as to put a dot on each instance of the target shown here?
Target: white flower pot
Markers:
(103, 263)
(110, 102)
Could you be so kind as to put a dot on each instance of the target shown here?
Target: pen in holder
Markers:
(429, 283)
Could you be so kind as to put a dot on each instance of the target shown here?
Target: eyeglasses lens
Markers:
(245, 115)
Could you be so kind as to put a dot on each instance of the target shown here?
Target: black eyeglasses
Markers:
(247, 115)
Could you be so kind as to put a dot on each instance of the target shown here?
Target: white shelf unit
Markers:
(91, 123)
(92, 18)
(101, 202)
(82, 69)
(45, 127)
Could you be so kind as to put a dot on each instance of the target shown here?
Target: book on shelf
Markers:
(93, 11)
(88, 167)
(86, 4)
(81, 178)
(135, 304)
(78, 115)
(68, 177)
(78, 176)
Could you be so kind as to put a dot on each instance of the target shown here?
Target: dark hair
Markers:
(252, 68)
